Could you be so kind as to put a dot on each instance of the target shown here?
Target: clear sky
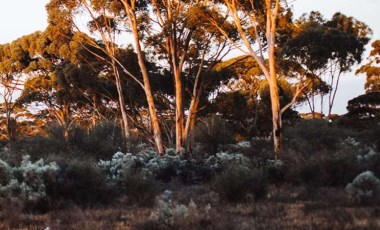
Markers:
(21, 17)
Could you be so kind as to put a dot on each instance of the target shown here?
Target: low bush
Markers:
(27, 181)
(324, 169)
(313, 136)
(141, 187)
(169, 214)
(364, 188)
(212, 132)
(5, 173)
(81, 182)
(101, 141)
(236, 182)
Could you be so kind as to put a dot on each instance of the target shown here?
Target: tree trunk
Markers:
(123, 109)
(148, 92)
(276, 118)
(179, 116)
(191, 119)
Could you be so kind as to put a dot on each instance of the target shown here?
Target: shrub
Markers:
(195, 172)
(236, 182)
(27, 183)
(28, 180)
(276, 170)
(168, 214)
(212, 131)
(312, 136)
(365, 187)
(141, 187)
(322, 169)
(81, 182)
(102, 140)
(163, 168)
(120, 163)
(259, 183)
(5, 172)
(99, 142)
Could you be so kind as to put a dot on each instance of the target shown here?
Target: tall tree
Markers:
(13, 59)
(105, 16)
(190, 48)
(256, 24)
(325, 50)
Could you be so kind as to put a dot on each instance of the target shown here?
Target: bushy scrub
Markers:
(141, 187)
(365, 187)
(5, 172)
(99, 142)
(212, 132)
(223, 160)
(168, 214)
(276, 170)
(163, 168)
(167, 211)
(81, 182)
(190, 171)
(325, 168)
(312, 136)
(27, 181)
(119, 164)
(102, 140)
(237, 181)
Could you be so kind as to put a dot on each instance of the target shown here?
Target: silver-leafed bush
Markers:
(365, 187)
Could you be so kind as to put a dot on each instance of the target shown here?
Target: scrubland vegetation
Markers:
(134, 115)
(328, 178)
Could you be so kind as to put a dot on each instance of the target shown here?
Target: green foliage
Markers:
(365, 187)
(81, 182)
(236, 182)
(363, 109)
(322, 169)
(5, 173)
(101, 140)
(311, 136)
(318, 42)
(141, 187)
(26, 184)
(212, 131)
(317, 46)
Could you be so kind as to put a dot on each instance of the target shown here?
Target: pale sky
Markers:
(22, 17)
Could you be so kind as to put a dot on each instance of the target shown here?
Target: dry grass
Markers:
(285, 208)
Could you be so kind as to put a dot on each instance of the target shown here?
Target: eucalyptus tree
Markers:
(325, 50)
(13, 59)
(182, 38)
(107, 19)
(256, 23)
(246, 100)
(61, 24)
(367, 106)
(42, 61)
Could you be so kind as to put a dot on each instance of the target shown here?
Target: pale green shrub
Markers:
(168, 212)
(27, 181)
(364, 187)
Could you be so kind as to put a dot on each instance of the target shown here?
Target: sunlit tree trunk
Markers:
(270, 73)
(271, 13)
(122, 105)
(147, 88)
(191, 119)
